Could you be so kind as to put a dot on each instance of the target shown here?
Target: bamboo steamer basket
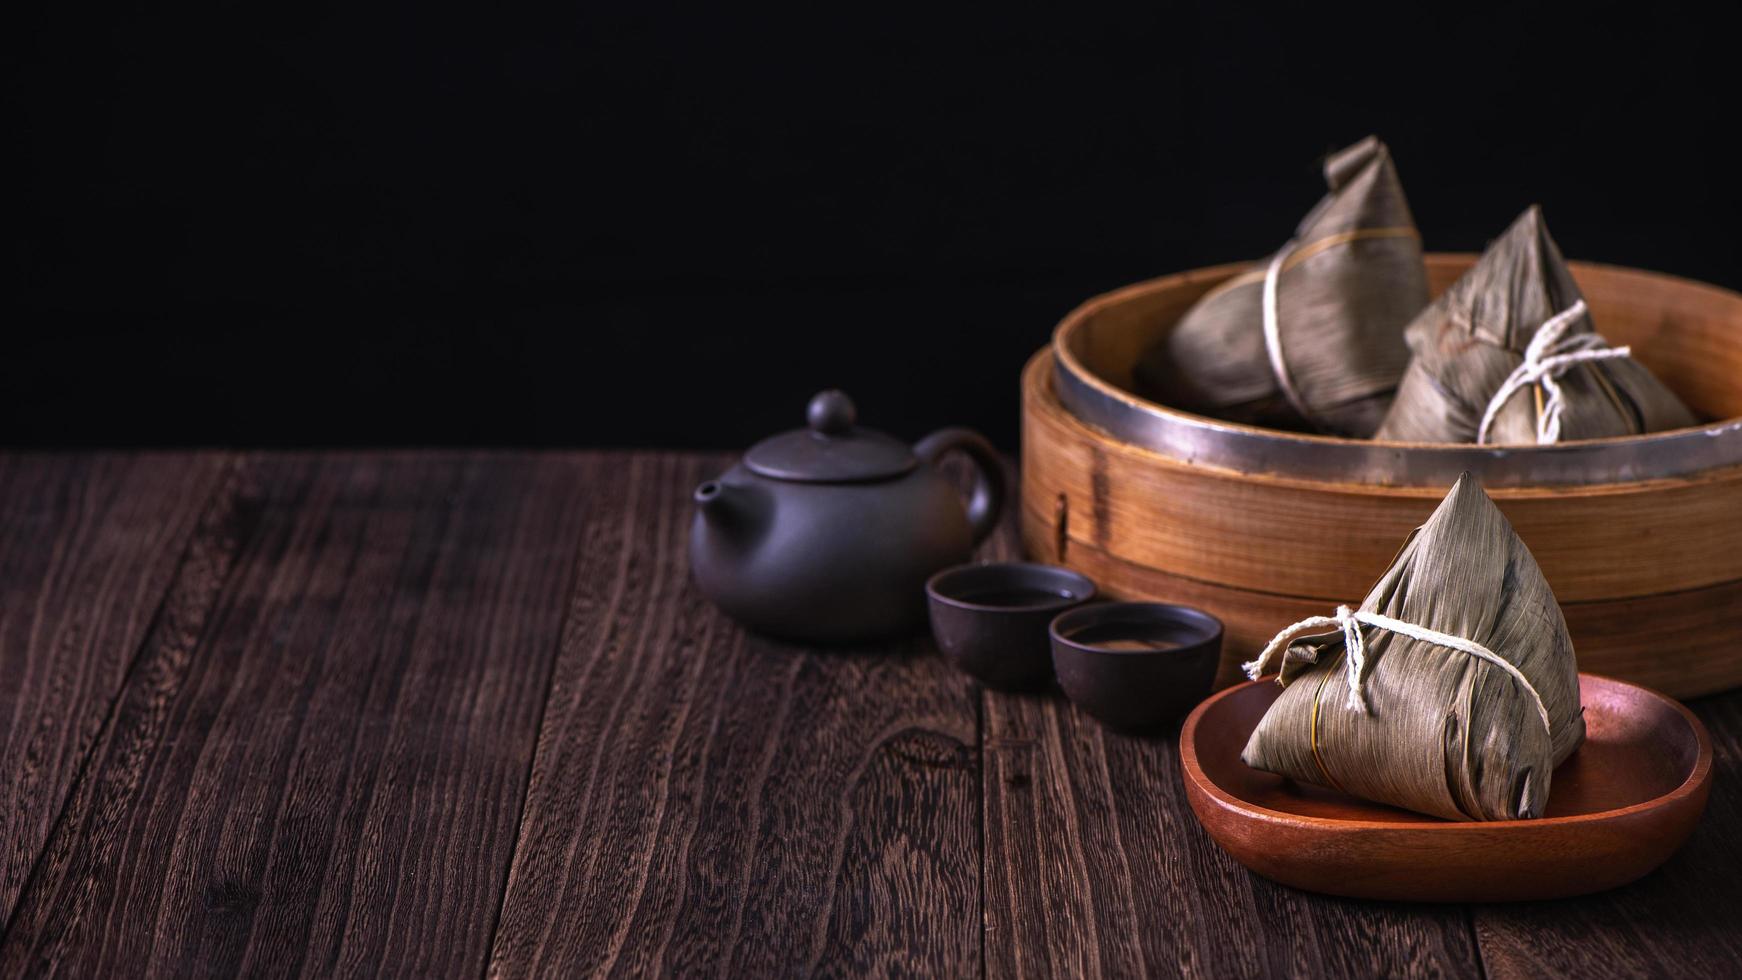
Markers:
(1640, 537)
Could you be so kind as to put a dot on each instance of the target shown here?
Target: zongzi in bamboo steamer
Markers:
(1312, 338)
(1452, 691)
(1509, 355)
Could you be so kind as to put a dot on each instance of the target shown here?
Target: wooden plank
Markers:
(1096, 866)
(705, 800)
(1680, 920)
(318, 759)
(89, 545)
(323, 775)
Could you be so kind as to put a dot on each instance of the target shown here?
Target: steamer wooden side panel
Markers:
(1681, 643)
(1324, 540)
(1649, 574)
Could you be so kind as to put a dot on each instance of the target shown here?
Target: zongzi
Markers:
(1313, 337)
(1508, 355)
(1452, 691)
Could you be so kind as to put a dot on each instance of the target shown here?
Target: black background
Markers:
(645, 224)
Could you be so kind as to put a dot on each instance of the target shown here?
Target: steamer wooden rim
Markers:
(1689, 333)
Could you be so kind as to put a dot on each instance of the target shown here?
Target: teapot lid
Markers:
(832, 449)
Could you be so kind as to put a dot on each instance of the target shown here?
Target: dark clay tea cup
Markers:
(1136, 665)
(991, 620)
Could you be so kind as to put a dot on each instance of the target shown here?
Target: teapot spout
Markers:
(732, 518)
(718, 504)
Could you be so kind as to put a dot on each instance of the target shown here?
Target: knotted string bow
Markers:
(1350, 622)
(1550, 355)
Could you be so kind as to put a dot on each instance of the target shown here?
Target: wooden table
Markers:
(457, 714)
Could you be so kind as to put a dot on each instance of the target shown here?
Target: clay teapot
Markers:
(829, 533)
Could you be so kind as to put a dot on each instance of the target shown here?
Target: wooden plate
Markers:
(1617, 809)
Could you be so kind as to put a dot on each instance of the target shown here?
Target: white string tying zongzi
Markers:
(1273, 331)
(1551, 354)
(1350, 622)
(1293, 249)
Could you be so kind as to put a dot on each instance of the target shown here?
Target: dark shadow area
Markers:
(656, 224)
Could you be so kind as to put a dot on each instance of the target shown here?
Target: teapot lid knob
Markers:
(832, 448)
(831, 413)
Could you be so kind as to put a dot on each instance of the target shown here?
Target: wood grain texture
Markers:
(321, 771)
(1096, 866)
(445, 714)
(1680, 920)
(706, 800)
(88, 548)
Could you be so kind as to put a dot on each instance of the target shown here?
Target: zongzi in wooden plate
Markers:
(1452, 690)
(1622, 804)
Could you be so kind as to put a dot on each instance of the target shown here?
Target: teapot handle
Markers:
(988, 495)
